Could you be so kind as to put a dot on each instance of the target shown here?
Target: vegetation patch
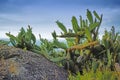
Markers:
(83, 54)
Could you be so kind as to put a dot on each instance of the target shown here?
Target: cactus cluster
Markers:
(111, 43)
(79, 38)
(24, 39)
(85, 50)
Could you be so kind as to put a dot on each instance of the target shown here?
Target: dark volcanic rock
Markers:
(17, 64)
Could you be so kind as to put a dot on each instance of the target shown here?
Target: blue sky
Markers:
(42, 14)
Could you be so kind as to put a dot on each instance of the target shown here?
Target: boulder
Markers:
(18, 64)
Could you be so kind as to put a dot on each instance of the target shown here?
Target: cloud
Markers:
(42, 14)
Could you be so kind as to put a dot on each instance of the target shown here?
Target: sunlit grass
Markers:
(99, 75)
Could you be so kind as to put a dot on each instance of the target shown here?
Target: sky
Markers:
(41, 15)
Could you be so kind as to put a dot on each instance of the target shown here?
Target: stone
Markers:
(18, 64)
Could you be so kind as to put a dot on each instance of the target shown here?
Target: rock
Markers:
(18, 64)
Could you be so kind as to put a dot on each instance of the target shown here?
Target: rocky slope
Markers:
(17, 64)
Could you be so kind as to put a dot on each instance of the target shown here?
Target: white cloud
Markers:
(42, 17)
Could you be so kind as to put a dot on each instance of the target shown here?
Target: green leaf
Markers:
(109, 57)
(60, 44)
(54, 35)
(88, 34)
(93, 26)
(95, 65)
(58, 59)
(61, 26)
(96, 15)
(81, 22)
(13, 39)
(21, 35)
(27, 37)
(70, 42)
(89, 16)
(75, 24)
(13, 42)
(86, 22)
(33, 38)
(11, 36)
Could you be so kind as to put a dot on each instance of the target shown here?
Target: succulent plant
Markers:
(79, 38)
(24, 39)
